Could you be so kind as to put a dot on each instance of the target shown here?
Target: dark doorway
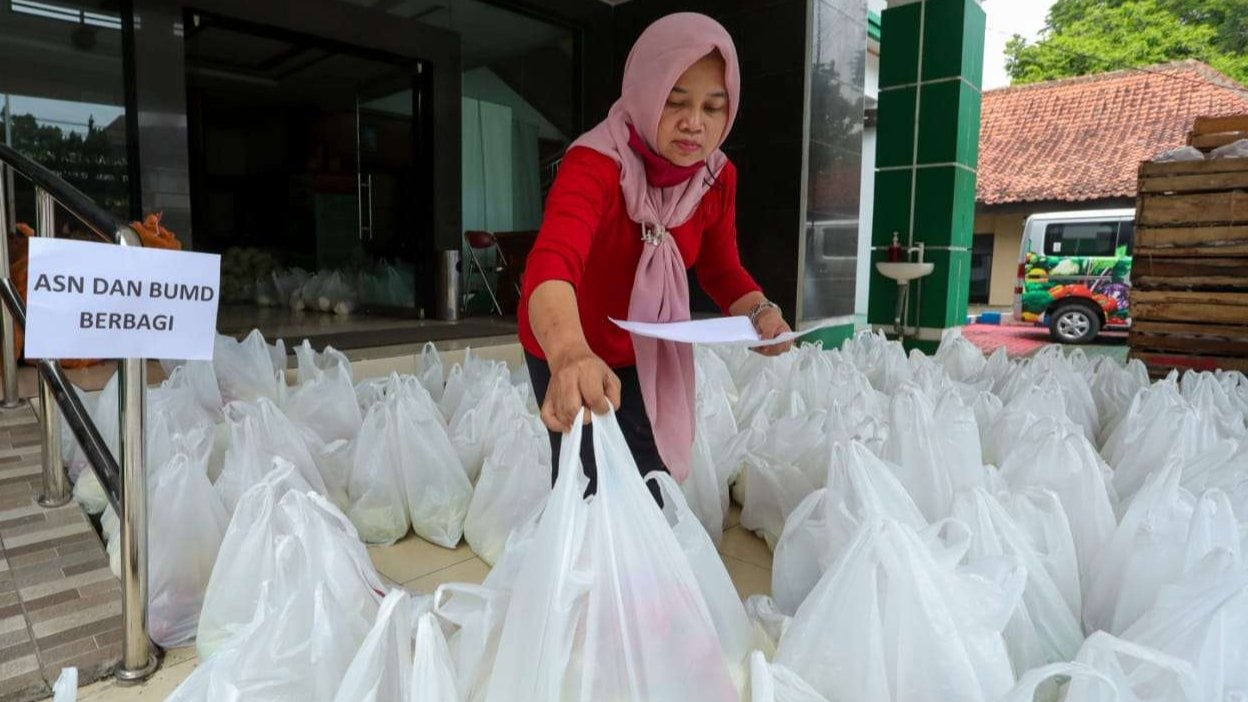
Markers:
(308, 157)
(981, 268)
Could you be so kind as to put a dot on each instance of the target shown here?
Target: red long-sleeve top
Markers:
(588, 240)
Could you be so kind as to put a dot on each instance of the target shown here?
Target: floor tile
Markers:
(746, 546)
(471, 571)
(749, 578)
(155, 689)
(413, 557)
(181, 654)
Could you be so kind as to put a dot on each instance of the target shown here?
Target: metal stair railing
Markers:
(125, 485)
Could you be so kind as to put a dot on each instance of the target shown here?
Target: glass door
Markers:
(388, 214)
(306, 173)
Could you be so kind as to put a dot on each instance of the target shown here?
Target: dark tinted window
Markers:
(1081, 239)
(1126, 236)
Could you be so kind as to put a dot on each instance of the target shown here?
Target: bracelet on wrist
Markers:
(758, 310)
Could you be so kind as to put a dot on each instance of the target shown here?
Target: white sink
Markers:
(903, 272)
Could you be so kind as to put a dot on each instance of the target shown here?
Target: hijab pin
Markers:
(653, 233)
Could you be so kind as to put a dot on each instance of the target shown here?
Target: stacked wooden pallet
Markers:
(1189, 302)
(1208, 133)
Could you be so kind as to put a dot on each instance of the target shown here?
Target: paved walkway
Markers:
(60, 605)
(1020, 340)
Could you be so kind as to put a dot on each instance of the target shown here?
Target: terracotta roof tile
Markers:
(1083, 138)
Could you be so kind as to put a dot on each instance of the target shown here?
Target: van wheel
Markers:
(1074, 324)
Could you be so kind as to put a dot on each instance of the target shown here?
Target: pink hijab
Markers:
(661, 289)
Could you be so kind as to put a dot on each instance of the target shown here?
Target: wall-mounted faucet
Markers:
(918, 248)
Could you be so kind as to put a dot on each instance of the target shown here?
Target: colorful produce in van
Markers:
(1050, 278)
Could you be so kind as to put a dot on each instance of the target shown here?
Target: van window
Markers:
(1081, 239)
(1126, 237)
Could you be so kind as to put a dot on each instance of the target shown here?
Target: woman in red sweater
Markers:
(638, 200)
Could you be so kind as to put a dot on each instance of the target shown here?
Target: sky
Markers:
(1005, 19)
(69, 116)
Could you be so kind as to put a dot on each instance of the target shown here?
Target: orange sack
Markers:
(150, 231)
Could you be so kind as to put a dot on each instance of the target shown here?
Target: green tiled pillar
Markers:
(931, 64)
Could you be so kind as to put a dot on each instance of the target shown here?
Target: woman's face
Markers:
(696, 113)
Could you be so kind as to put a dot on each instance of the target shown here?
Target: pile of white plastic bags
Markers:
(381, 451)
(1056, 527)
(952, 527)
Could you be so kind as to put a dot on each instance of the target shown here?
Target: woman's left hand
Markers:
(771, 324)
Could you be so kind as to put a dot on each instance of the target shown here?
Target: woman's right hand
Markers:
(578, 379)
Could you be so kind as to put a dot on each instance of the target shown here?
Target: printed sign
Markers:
(88, 300)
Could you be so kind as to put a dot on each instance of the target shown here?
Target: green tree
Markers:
(88, 161)
(1093, 36)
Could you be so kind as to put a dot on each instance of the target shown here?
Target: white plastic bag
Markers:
(430, 371)
(1045, 628)
(1235, 149)
(335, 295)
(1159, 426)
(1139, 673)
(613, 570)
(858, 485)
(513, 484)
(474, 617)
(433, 677)
(1055, 455)
(1202, 619)
(1042, 685)
(928, 444)
(65, 689)
(482, 419)
(772, 491)
(1040, 516)
(186, 525)
(736, 633)
(377, 503)
(300, 641)
(325, 399)
(286, 283)
(705, 489)
(308, 295)
(784, 467)
(437, 489)
(1183, 153)
(1224, 467)
(246, 370)
(921, 630)
(1147, 551)
(1114, 387)
(960, 358)
(382, 668)
(768, 621)
(272, 519)
(775, 683)
(259, 434)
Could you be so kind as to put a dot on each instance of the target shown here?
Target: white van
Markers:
(1074, 273)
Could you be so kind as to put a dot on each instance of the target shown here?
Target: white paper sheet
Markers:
(735, 331)
(94, 300)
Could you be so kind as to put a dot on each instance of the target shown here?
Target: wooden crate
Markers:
(1189, 300)
(1208, 133)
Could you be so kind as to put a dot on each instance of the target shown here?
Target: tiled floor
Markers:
(421, 566)
(60, 606)
(1024, 340)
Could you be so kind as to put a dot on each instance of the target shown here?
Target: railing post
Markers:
(55, 484)
(8, 334)
(138, 661)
